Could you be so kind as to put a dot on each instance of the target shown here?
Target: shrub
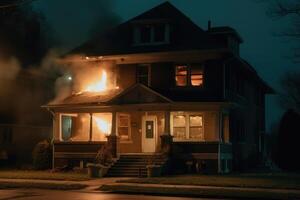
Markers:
(42, 155)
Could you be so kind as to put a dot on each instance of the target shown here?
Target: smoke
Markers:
(9, 69)
(24, 89)
(78, 75)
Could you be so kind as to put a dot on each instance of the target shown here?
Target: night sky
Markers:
(71, 20)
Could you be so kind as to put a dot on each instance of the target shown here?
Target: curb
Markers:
(201, 191)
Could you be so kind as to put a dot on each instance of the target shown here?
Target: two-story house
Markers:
(171, 83)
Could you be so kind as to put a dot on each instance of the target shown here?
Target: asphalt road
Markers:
(33, 194)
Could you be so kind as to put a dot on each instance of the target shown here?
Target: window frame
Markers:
(189, 75)
(149, 73)
(187, 126)
(60, 125)
(129, 127)
(137, 34)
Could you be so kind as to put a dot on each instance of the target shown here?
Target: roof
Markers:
(85, 98)
(225, 30)
(186, 35)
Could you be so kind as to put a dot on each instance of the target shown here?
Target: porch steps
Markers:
(134, 165)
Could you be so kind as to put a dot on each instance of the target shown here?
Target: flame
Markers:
(103, 125)
(100, 85)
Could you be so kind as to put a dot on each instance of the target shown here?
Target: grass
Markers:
(271, 181)
(42, 175)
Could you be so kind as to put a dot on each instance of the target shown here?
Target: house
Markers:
(171, 84)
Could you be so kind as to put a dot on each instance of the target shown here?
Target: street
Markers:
(34, 194)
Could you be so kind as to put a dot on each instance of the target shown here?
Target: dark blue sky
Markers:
(72, 20)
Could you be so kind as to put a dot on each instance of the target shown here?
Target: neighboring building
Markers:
(173, 84)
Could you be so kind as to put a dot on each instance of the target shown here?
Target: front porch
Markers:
(141, 121)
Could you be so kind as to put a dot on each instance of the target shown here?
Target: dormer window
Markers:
(151, 34)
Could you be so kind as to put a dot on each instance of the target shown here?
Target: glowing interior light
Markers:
(102, 125)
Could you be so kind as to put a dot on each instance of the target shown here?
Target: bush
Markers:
(42, 155)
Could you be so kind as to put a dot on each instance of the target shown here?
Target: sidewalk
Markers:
(90, 185)
(201, 191)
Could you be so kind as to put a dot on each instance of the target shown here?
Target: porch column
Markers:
(167, 123)
(91, 127)
(166, 138)
(112, 138)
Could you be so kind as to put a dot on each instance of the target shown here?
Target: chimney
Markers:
(209, 25)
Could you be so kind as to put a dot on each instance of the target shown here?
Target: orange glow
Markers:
(103, 125)
(98, 86)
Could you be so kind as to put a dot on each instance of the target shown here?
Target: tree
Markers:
(288, 138)
(290, 97)
(23, 32)
(288, 9)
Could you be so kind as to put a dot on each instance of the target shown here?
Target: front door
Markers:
(149, 134)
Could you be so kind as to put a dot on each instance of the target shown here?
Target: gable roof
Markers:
(185, 35)
(138, 94)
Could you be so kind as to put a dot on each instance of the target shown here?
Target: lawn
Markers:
(42, 175)
(275, 181)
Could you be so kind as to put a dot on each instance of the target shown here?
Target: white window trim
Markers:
(187, 126)
(129, 127)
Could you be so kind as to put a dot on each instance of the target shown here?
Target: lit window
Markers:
(124, 127)
(189, 75)
(101, 126)
(181, 75)
(196, 127)
(179, 126)
(75, 127)
(187, 126)
(196, 75)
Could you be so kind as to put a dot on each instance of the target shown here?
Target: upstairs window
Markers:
(143, 74)
(189, 75)
(181, 75)
(151, 34)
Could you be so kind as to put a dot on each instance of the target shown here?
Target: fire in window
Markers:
(197, 75)
(181, 75)
(189, 75)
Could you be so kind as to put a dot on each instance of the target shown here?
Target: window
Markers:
(187, 126)
(75, 127)
(197, 75)
(181, 75)
(145, 34)
(196, 127)
(151, 34)
(124, 127)
(159, 32)
(143, 74)
(101, 126)
(179, 126)
(189, 75)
